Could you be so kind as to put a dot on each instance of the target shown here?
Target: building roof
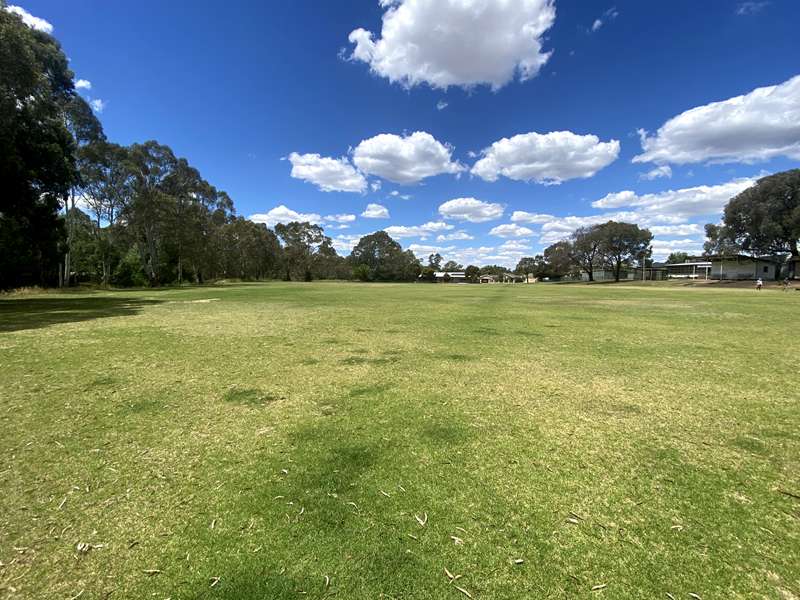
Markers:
(770, 259)
(700, 263)
(452, 274)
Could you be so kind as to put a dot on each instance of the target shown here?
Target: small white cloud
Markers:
(598, 23)
(396, 194)
(283, 214)
(457, 42)
(656, 173)
(33, 22)
(328, 174)
(470, 209)
(97, 105)
(757, 126)
(420, 231)
(375, 211)
(456, 235)
(405, 159)
(509, 230)
(441, 105)
(549, 158)
(375, 185)
(609, 15)
(520, 216)
(83, 84)
(344, 218)
(750, 8)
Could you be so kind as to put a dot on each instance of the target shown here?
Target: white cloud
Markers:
(757, 126)
(663, 248)
(375, 185)
(375, 211)
(520, 216)
(750, 8)
(685, 229)
(397, 194)
(328, 174)
(441, 105)
(83, 84)
(682, 203)
(456, 235)
(344, 244)
(510, 230)
(522, 245)
(420, 231)
(609, 15)
(470, 209)
(657, 172)
(457, 42)
(405, 160)
(33, 22)
(549, 158)
(97, 105)
(340, 218)
(283, 214)
(423, 251)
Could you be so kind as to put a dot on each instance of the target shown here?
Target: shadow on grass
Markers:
(35, 313)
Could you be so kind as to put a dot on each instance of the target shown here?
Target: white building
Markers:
(742, 266)
(450, 277)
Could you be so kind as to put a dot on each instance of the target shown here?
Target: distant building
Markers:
(450, 277)
(514, 278)
(741, 266)
(607, 274)
(691, 269)
(488, 279)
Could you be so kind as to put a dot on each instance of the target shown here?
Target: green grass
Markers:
(275, 435)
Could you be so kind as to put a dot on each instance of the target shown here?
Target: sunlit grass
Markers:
(365, 441)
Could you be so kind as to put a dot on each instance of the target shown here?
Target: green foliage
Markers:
(380, 258)
(129, 271)
(677, 258)
(37, 161)
(472, 273)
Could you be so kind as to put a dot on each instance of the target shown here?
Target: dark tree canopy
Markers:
(622, 244)
(377, 257)
(764, 218)
(677, 257)
(37, 152)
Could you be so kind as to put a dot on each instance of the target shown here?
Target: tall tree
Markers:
(559, 257)
(37, 160)
(301, 243)
(765, 218)
(622, 243)
(585, 244)
(377, 257)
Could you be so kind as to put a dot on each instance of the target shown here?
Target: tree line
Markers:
(612, 245)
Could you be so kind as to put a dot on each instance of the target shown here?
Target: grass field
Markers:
(371, 441)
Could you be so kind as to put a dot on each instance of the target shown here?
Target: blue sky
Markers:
(252, 92)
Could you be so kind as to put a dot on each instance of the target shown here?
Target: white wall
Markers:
(742, 269)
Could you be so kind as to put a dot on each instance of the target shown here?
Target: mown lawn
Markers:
(364, 441)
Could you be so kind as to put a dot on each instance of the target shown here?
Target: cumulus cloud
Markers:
(397, 194)
(97, 105)
(457, 42)
(423, 250)
(470, 209)
(548, 158)
(83, 84)
(520, 216)
(456, 235)
(33, 22)
(681, 203)
(510, 230)
(656, 173)
(328, 174)
(420, 231)
(375, 211)
(405, 159)
(283, 214)
(345, 218)
(663, 248)
(375, 185)
(757, 126)
(344, 244)
(522, 245)
(685, 229)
